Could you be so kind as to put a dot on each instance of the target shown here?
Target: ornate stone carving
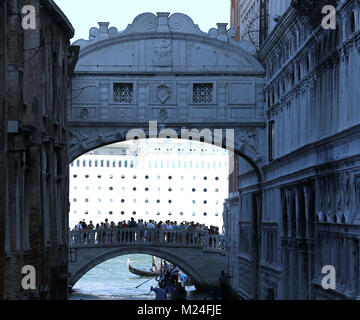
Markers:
(84, 114)
(221, 33)
(213, 32)
(163, 92)
(77, 137)
(98, 34)
(179, 22)
(121, 135)
(246, 136)
(162, 22)
(102, 138)
(163, 53)
(144, 22)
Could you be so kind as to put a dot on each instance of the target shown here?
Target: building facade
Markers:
(156, 179)
(305, 213)
(245, 19)
(254, 19)
(34, 71)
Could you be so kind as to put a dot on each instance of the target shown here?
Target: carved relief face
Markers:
(84, 114)
(164, 48)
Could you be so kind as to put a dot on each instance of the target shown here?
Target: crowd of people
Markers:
(106, 232)
(151, 224)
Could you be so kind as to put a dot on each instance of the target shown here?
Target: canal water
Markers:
(112, 280)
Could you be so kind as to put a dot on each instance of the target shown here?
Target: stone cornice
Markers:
(164, 23)
(240, 48)
(59, 17)
(323, 143)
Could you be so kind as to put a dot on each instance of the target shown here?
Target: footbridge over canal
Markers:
(199, 254)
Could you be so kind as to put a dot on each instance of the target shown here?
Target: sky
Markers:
(84, 14)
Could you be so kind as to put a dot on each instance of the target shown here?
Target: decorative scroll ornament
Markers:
(163, 92)
(162, 22)
(98, 34)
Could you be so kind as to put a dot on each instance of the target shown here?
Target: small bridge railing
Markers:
(136, 236)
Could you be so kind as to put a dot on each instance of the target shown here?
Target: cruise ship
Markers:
(153, 179)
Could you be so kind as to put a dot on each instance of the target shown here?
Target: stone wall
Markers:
(309, 209)
(34, 217)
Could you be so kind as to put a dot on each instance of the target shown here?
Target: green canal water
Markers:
(112, 280)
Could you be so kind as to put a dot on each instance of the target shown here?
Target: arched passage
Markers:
(241, 149)
(101, 255)
(94, 261)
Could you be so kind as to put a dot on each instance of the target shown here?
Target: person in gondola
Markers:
(167, 267)
(224, 285)
(182, 277)
(161, 277)
(168, 283)
(179, 293)
(175, 271)
(154, 267)
(160, 292)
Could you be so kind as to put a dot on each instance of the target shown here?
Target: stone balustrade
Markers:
(143, 236)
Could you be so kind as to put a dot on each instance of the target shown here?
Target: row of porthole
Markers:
(193, 150)
(146, 177)
(147, 189)
(147, 213)
(146, 201)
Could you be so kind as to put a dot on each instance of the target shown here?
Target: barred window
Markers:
(203, 93)
(123, 92)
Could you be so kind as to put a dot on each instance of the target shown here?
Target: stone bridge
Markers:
(163, 72)
(198, 253)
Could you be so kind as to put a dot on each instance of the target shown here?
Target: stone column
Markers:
(221, 101)
(288, 208)
(335, 90)
(307, 209)
(142, 101)
(104, 89)
(342, 81)
(182, 101)
(3, 140)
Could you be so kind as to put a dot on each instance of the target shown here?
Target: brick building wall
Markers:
(235, 17)
(33, 157)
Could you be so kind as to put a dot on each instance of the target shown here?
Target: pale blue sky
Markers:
(84, 14)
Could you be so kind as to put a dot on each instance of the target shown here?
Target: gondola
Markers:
(143, 273)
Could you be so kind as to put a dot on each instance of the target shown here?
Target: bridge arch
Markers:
(103, 256)
(233, 144)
